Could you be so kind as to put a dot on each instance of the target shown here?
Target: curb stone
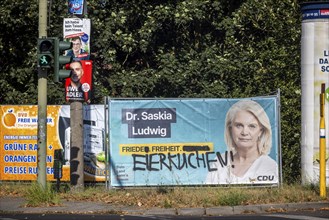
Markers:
(191, 211)
(247, 209)
(307, 206)
(216, 211)
(160, 211)
(16, 205)
(269, 208)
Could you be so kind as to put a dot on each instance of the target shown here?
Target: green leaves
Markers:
(169, 49)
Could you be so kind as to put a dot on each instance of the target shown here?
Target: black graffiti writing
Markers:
(179, 161)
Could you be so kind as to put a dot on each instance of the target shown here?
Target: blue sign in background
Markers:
(315, 10)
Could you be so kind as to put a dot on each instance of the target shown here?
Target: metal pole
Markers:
(42, 102)
(107, 151)
(323, 192)
(279, 135)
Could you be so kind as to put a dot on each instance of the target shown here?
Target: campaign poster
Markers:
(18, 137)
(76, 7)
(193, 141)
(93, 140)
(19, 146)
(79, 86)
(77, 31)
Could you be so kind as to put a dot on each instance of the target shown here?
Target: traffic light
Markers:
(46, 52)
(60, 60)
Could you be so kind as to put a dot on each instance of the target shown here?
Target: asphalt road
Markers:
(301, 215)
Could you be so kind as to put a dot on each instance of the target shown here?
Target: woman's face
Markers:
(245, 130)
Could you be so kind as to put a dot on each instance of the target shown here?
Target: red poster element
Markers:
(78, 86)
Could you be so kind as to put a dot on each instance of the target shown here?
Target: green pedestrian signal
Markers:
(45, 60)
(45, 52)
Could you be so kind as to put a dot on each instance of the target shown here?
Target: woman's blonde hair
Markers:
(265, 140)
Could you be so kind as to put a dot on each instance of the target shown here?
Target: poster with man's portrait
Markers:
(78, 86)
(77, 31)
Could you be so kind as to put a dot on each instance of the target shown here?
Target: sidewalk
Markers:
(16, 204)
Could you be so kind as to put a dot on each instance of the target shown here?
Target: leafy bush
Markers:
(240, 48)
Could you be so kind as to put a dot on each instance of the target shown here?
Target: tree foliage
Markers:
(184, 48)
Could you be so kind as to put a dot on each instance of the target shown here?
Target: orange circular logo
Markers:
(9, 119)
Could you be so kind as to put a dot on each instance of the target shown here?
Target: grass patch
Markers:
(167, 197)
(234, 198)
(37, 195)
(12, 190)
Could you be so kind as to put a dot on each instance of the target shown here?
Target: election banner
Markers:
(79, 86)
(18, 141)
(193, 141)
(77, 31)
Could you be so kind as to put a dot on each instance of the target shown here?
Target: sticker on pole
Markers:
(76, 7)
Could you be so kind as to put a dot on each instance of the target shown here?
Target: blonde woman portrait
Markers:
(248, 136)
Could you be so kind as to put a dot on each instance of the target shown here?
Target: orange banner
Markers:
(18, 130)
